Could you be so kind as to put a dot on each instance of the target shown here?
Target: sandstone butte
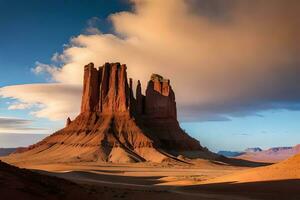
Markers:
(114, 126)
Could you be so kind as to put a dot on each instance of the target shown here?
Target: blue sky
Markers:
(37, 29)
(33, 31)
(273, 128)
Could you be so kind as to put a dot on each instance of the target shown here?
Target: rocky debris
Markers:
(114, 126)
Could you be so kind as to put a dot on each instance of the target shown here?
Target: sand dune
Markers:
(285, 170)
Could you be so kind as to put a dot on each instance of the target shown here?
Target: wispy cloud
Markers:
(241, 134)
(41, 68)
(19, 106)
(17, 125)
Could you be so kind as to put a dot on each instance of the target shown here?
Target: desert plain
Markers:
(196, 179)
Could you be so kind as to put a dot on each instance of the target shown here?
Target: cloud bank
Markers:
(231, 59)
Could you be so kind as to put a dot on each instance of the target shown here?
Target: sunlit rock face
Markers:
(115, 126)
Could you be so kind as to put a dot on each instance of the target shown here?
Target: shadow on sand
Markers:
(240, 162)
(109, 179)
(275, 190)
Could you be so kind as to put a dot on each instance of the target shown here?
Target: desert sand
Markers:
(140, 180)
(203, 179)
(285, 170)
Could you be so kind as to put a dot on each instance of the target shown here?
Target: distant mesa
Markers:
(115, 126)
(231, 153)
(239, 153)
(271, 155)
(7, 151)
(253, 150)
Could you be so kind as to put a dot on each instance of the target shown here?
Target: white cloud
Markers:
(247, 62)
(45, 68)
(55, 58)
(52, 101)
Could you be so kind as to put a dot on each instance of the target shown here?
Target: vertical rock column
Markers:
(105, 72)
(90, 97)
(123, 92)
(115, 94)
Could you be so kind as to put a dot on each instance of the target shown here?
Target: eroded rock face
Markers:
(114, 92)
(160, 98)
(105, 89)
(114, 126)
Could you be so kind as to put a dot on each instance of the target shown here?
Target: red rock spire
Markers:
(90, 96)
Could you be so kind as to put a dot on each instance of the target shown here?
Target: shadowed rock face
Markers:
(114, 126)
(160, 99)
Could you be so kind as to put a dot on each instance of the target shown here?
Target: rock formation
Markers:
(115, 126)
